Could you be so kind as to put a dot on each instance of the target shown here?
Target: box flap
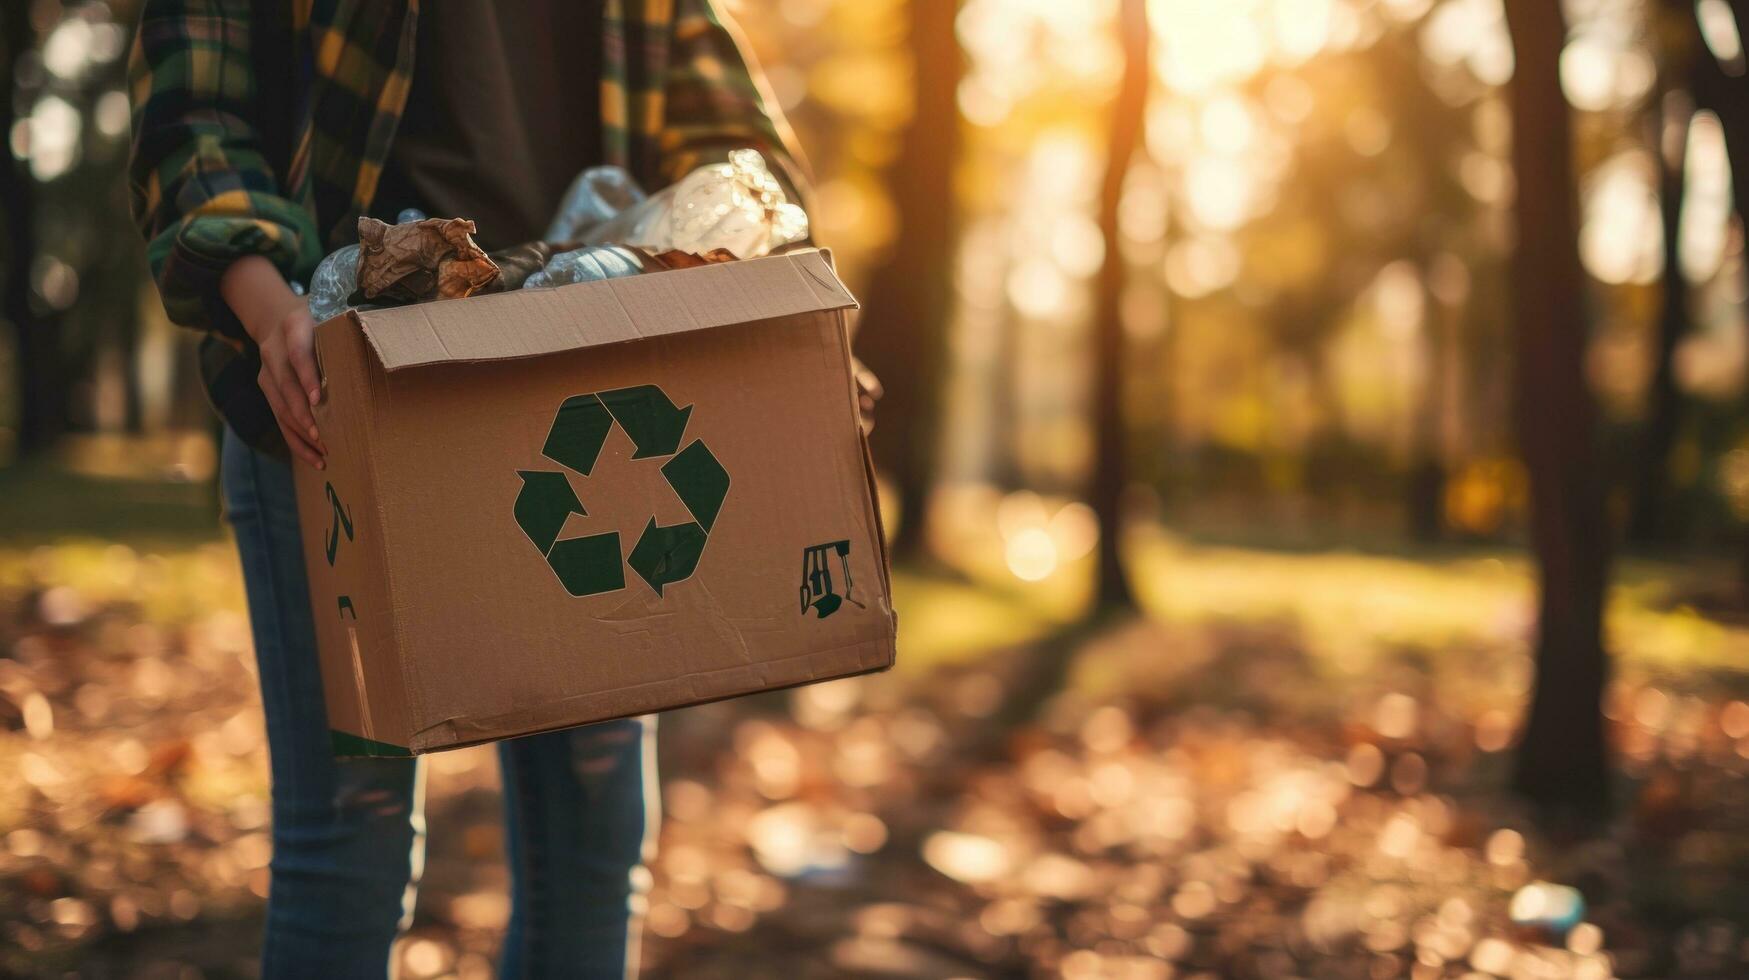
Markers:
(532, 322)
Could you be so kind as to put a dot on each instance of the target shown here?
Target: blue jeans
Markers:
(349, 834)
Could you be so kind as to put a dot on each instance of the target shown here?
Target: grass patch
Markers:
(45, 503)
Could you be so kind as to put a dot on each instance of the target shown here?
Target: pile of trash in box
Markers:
(605, 227)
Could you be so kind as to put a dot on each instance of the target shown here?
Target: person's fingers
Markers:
(299, 447)
(294, 440)
(301, 349)
(269, 388)
(867, 381)
(294, 398)
(868, 392)
(297, 407)
(293, 404)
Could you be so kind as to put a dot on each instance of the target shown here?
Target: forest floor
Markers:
(1292, 765)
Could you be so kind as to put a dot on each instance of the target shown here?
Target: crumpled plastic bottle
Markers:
(738, 206)
(597, 195)
(590, 263)
(336, 278)
(334, 281)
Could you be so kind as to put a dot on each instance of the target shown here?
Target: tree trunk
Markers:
(1005, 423)
(1673, 113)
(1427, 472)
(1647, 522)
(1562, 757)
(1723, 94)
(1111, 449)
(903, 336)
(42, 404)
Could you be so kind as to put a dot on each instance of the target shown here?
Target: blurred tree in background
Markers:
(1111, 450)
(1562, 757)
(904, 327)
(39, 411)
(92, 353)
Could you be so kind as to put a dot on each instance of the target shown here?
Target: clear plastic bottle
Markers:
(334, 281)
(587, 264)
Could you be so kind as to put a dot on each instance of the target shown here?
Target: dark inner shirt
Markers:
(503, 111)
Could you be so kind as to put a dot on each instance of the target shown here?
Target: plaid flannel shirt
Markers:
(677, 92)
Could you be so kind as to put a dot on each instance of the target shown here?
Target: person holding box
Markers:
(263, 131)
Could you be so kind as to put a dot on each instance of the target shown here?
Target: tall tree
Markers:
(1562, 756)
(1680, 48)
(903, 336)
(42, 401)
(1111, 443)
(1719, 87)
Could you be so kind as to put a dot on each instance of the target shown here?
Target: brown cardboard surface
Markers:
(530, 323)
(345, 555)
(433, 415)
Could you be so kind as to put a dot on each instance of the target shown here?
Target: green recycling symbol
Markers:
(664, 554)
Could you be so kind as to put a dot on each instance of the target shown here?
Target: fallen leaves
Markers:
(1247, 815)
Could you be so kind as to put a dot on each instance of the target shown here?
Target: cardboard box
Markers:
(553, 507)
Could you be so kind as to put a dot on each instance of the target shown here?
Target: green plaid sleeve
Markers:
(715, 101)
(201, 190)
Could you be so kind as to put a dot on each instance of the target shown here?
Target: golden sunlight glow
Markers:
(1250, 100)
(1032, 555)
(1399, 300)
(1706, 205)
(1227, 125)
(1600, 70)
(1055, 242)
(1016, 48)
(1201, 265)
(1622, 239)
(1204, 46)
(1471, 33)
(1288, 98)
(1719, 26)
(1301, 28)
(1218, 192)
(52, 135)
(1407, 10)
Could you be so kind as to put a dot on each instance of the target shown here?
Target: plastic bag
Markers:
(598, 194)
(738, 206)
(587, 264)
(336, 278)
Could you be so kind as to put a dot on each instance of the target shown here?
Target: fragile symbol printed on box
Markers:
(664, 554)
(818, 592)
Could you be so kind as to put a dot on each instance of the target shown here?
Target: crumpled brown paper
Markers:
(676, 258)
(421, 260)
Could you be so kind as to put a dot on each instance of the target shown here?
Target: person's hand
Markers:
(868, 392)
(279, 322)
